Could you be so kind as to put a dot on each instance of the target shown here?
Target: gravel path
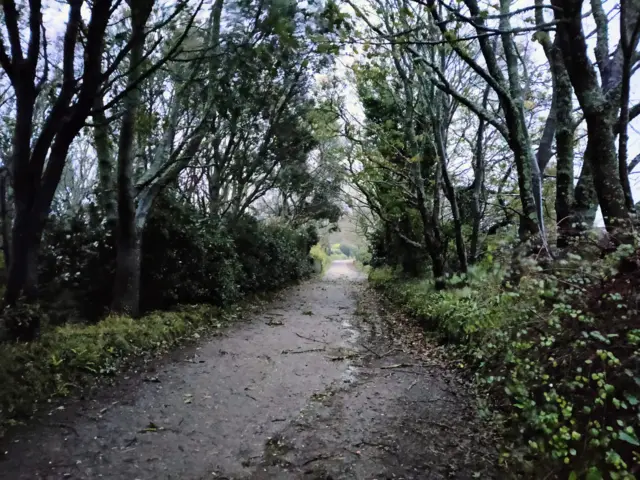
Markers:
(320, 385)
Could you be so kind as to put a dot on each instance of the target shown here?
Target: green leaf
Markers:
(631, 399)
(598, 336)
(573, 476)
(629, 438)
(593, 474)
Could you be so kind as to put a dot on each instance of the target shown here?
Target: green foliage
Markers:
(321, 260)
(347, 250)
(560, 356)
(187, 257)
(363, 256)
(67, 357)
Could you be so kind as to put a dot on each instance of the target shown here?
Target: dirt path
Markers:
(315, 387)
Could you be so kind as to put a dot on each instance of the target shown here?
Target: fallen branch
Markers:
(370, 350)
(311, 339)
(287, 352)
(315, 459)
(344, 357)
(401, 365)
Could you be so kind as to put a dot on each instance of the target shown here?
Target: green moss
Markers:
(68, 357)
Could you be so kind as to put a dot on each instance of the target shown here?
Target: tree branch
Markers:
(11, 21)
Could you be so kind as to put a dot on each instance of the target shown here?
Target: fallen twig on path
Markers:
(390, 351)
(105, 409)
(324, 456)
(401, 365)
(344, 357)
(413, 384)
(287, 352)
(371, 351)
(312, 339)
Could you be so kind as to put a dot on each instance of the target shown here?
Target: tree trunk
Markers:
(126, 292)
(604, 163)
(23, 243)
(5, 219)
(450, 193)
(586, 200)
(22, 231)
(564, 152)
(478, 182)
(106, 191)
(127, 279)
(430, 234)
(623, 168)
(598, 114)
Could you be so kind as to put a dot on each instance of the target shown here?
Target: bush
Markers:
(76, 267)
(560, 357)
(187, 257)
(67, 357)
(321, 260)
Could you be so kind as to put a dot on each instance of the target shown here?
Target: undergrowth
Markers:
(67, 358)
(559, 356)
(321, 259)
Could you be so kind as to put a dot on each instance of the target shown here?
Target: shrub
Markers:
(560, 356)
(321, 260)
(187, 257)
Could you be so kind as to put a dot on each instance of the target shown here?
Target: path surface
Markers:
(317, 386)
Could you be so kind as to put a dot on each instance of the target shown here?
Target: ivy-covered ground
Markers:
(558, 357)
(321, 383)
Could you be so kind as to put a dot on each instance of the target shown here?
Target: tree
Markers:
(598, 101)
(39, 155)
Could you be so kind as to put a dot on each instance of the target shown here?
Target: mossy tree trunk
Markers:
(598, 107)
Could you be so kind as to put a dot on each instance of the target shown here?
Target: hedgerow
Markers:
(68, 358)
(187, 259)
(559, 356)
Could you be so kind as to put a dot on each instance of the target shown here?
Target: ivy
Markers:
(560, 362)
